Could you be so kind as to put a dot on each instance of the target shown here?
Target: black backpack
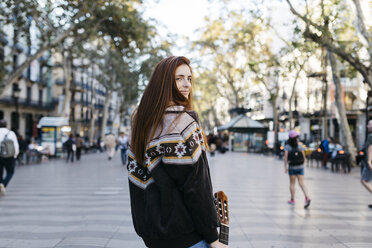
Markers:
(295, 157)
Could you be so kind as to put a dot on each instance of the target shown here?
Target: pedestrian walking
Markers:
(123, 141)
(212, 144)
(79, 145)
(294, 157)
(324, 145)
(9, 152)
(367, 162)
(110, 142)
(22, 150)
(169, 180)
(70, 147)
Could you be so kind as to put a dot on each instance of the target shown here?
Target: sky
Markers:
(184, 18)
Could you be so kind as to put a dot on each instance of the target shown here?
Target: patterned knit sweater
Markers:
(171, 197)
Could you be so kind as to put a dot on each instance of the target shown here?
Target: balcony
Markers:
(49, 106)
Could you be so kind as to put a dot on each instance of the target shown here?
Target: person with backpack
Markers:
(9, 150)
(324, 145)
(294, 156)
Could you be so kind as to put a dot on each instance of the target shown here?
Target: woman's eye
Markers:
(178, 79)
(189, 79)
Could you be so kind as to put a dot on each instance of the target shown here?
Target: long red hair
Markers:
(160, 93)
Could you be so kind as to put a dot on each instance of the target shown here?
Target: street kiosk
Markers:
(54, 131)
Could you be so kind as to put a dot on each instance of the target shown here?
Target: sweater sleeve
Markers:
(185, 162)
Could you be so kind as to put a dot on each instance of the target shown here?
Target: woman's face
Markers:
(183, 80)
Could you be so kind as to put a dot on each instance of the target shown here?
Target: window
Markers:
(40, 97)
(2, 57)
(15, 58)
(14, 121)
(28, 96)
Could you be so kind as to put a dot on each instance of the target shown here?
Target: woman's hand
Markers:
(217, 244)
(285, 170)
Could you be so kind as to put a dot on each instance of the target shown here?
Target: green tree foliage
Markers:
(330, 24)
(118, 21)
(230, 46)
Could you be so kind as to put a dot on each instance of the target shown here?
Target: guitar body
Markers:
(222, 208)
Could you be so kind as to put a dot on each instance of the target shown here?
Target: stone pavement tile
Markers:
(48, 235)
(308, 233)
(354, 239)
(5, 242)
(126, 229)
(83, 241)
(44, 243)
(287, 244)
(358, 245)
(362, 222)
(114, 243)
(17, 228)
(352, 232)
(304, 238)
(253, 230)
(126, 236)
(240, 244)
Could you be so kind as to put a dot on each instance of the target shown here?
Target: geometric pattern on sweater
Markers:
(137, 174)
(184, 148)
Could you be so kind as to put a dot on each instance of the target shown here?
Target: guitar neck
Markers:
(224, 234)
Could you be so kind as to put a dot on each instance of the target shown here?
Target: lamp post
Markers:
(15, 96)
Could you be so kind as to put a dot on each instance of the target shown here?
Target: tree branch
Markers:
(304, 18)
(355, 62)
(362, 27)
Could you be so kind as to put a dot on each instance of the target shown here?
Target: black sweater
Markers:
(171, 198)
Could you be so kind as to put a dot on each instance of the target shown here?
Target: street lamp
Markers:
(15, 96)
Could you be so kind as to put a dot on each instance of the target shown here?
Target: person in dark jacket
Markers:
(169, 180)
(69, 146)
(367, 162)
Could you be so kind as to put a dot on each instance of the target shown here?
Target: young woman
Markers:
(169, 180)
(294, 156)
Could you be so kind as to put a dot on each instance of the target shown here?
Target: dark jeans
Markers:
(124, 156)
(7, 164)
(78, 153)
(70, 153)
(325, 159)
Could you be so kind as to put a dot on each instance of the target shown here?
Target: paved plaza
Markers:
(86, 204)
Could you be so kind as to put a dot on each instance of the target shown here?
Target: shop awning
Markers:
(53, 121)
(243, 124)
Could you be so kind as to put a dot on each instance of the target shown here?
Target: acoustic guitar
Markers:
(222, 208)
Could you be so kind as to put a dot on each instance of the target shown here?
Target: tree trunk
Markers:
(116, 114)
(292, 94)
(275, 117)
(325, 92)
(67, 67)
(344, 125)
(105, 113)
(92, 108)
